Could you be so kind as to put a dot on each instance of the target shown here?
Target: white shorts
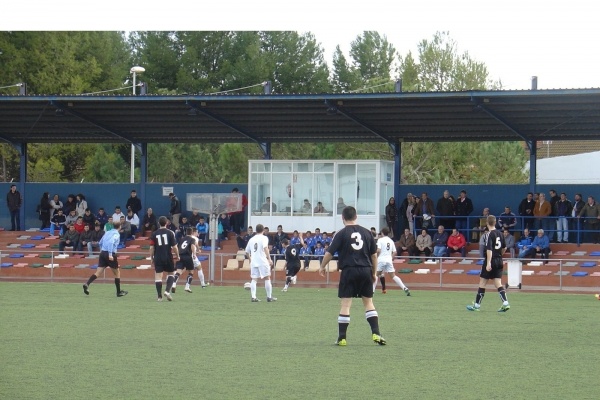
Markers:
(385, 267)
(260, 272)
(196, 262)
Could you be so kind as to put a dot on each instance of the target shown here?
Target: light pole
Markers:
(134, 70)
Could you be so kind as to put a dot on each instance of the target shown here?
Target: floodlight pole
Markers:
(134, 71)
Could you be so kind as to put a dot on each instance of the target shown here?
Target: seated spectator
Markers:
(268, 205)
(72, 218)
(58, 221)
(295, 239)
(340, 205)
(540, 245)
(525, 240)
(306, 254)
(509, 240)
(108, 225)
(101, 217)
(319, 251)
(482, 243)
(424, 243)
(440, 238)
(133, 220)
(457, 243)
(85, 239)
(94, 242)
(194, 218)
(407, 243)
(202, 228)
(481, 226)
(117, 214)
(69, 239)
(242, 241)
(326, 239)
(269, 236)
(319, 208)
(507, 219)
(79, 225)
(124, 231)
(148, 222)
(225, 222)
(89, 219)
(306, 207)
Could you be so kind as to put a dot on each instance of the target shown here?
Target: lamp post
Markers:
(134, 70)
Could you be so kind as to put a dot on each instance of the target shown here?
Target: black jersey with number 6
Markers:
(163, 240)
(355, 245)
(185, 246)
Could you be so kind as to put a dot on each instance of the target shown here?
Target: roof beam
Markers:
(499, 118)
(94, 123)
(333, 108)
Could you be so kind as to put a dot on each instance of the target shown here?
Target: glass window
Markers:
(347, 187)
(260, 167)
(303, 167)
(387, 172)
(282, 167)
(261, 190)
(366, 189)
(281, 193)
(323, 192)
(302, 194)
(323, 167)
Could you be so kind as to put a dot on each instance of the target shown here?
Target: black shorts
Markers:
(166, 267)
(292, 270)
(356, 282)
(186, 263)
(104, 262)
(496, 272)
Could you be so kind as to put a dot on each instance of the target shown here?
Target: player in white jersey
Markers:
(260, 263)
(386, 250)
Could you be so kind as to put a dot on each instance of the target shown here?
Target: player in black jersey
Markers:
(162, 244)
(492, 265)
(187, 252)
(292, 260)
(357, 259)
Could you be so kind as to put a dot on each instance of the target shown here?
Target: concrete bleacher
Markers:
(33, 255)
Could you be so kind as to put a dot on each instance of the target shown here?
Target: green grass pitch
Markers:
(56, 343)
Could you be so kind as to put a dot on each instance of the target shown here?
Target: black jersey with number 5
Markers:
(355, 245)
(495, 242)
(163, 240)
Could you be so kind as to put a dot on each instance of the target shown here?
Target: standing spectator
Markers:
(541, 212)
(591, 212)
(526, 208)
(134, 203)
(108, 258)
(55, 205)
(260, 263)
(553, 199)
(440, 239)
(14, 201)
(425, 210)
(562, 210)
(464, 208)
(237, 218)
(45, 209)
(391, 217)
(70, 204)
(149, 222)
(408, 212)
(578, 205)
(175, 210)
(81, 205)
(445, 208)
(102, 217)
(359, 266)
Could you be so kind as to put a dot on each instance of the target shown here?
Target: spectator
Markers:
(424, 243)
(85, 239)
(425, 210)
(70, 238)
(445, 208)
(72, 218)
(89, 218)
(225, 222)
(109, 225)
(319, 209)
(591, 212)
(464, 208)
(279, 236)
(183, 225)
(374, 232)
(202, 229)
(242, 241)
(55, 205)
(79, 225)
(148, 222)
(440, 238)
(482, 243)
(45, 210)
(237, 218)
(133, 203)
(578, 205)
(553, 199)
(268, 205)
(326, 238)
(340, 205)
(481, 225)
(526, 208)
(94, 242)
(457, 243)
(524, 242)
(194, 218)
(124, 230)
(306, 254)
(81, 205)
(102, 218)
(13, 202)
(306, 207)
(407, 243)
(391, 217)
(319, 251)
(541, 212)
(70, 204)
(58, 221)
(562, 211)
(540, 245)
(133, 220)
(507, 220)
(117, 214)
(509, 240)
(408, 210)
(295, 239)
(175, 209)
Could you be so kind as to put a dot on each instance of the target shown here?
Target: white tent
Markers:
(578, 168)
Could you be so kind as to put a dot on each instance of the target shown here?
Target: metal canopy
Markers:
(572, 114)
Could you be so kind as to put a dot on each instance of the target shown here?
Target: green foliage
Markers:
(10, 162)
(105, 164)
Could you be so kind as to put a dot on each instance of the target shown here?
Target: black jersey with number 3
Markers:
(355, 245)
(495, 242)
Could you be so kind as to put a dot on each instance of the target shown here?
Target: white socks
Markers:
(399, 282)
(253, 288)
(268, 287)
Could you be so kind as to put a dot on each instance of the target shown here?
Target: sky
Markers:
(555, 41)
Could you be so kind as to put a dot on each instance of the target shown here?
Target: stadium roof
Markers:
(570, 114)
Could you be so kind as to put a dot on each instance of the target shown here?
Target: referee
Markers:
(108, 258)
(358, 261)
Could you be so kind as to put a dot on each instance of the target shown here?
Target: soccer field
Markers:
(56, 343)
